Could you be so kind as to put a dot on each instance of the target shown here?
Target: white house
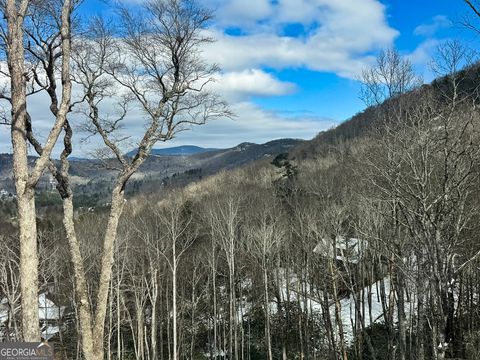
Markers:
(347, 250)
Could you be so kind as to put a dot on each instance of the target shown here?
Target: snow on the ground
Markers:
(347, 305)
(348, 308)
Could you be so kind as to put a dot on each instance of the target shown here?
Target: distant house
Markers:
(347, 250)
(50, 315)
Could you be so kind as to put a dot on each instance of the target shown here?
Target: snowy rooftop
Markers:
(48, 311)
(347, 249)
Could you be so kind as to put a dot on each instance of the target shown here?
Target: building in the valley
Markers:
(343, 249)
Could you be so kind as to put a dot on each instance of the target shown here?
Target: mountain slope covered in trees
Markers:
(171, 167)
(360, 244)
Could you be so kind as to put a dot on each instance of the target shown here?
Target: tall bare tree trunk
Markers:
(80, 283)
(215, 315)
(174, 304)
(421, 312)
(300, 321)
(280, 305)
(338, 311)
(119, 328)
(28, 263)
(153, 302)
(231, 293)
(267, 312)
(15, 15)
(116, 210)
(21, 131)
(402, 328)
(92, 333)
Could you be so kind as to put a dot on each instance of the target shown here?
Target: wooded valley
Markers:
(361, 243)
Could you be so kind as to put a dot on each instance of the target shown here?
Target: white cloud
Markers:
(422, 56)
(340, 38)
(424, 52)
(236, 86)
(429, 29)
(338, 35)
(243, 13)
(253, 124)
(318, 53)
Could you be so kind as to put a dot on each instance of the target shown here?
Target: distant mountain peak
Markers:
(182, 150)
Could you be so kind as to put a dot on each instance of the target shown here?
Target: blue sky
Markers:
(289, 67)
(421, 26)
(324, 94)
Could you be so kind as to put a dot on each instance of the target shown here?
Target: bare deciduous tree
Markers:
(390, 76)
(157, 63)
(19, 16)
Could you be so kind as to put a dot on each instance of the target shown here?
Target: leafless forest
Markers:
(359, 244)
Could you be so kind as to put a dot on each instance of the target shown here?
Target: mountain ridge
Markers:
(181, 150)
(89, 173)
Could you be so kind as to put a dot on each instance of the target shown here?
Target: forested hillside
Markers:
(361, 244)
(171, 167)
